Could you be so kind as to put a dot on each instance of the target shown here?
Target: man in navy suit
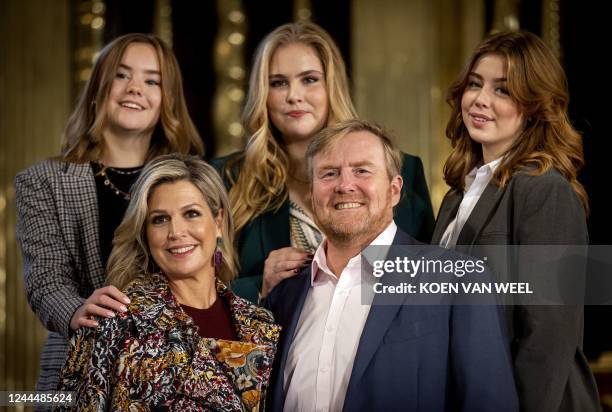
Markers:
(337, 353)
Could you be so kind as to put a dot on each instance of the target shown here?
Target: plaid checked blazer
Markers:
(57, 228)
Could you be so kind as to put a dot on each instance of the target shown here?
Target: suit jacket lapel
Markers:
(296, 298)
(275, 233)
(481, 214)
(447, 213)
(378, 321)
(81, 209)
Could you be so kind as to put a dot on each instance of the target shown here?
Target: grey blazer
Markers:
(551, 371)
(58, 231)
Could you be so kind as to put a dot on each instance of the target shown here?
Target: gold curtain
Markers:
(405, 55)
(35, 87)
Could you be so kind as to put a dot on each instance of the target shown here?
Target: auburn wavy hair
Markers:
(264, 165)
(537, 83)
(174, 132)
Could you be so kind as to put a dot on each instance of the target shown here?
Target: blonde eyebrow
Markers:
(301, 74)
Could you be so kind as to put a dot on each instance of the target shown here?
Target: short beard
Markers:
(346, 235)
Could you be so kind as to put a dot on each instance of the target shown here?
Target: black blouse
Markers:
(112, 204)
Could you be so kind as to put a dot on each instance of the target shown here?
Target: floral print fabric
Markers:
(151, 357)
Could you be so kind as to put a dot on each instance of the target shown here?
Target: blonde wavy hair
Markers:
(131, 255)
(537, 83)
(174, 132)
(261, 186)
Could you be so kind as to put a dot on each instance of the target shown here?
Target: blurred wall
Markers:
(405, 54)
(34, 105)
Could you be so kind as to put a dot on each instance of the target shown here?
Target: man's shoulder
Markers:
(403, 238)
(288, 290)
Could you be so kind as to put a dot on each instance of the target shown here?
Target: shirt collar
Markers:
(319, 261)
(485, 170)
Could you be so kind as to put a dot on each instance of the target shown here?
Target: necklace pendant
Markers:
(106, 182)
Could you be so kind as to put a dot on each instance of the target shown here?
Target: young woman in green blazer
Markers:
(298, 86)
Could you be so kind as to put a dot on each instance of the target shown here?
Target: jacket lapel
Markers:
(378, 321)
(204, 378)
(296, 299)
(448, 211)
(486, 205)
(80, 209)
(253, 323)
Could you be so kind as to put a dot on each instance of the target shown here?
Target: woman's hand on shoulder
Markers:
(282, 264)
(104, 302)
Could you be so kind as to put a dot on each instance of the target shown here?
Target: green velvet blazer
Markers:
(270, 231)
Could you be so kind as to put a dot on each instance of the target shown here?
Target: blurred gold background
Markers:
(403, 55)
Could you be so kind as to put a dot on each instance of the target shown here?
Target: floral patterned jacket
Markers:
(151, 357)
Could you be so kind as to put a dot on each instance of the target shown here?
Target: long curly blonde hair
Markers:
(537, 83)
(264, 165)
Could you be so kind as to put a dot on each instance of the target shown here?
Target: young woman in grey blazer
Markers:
(131, 110)
(512, 174)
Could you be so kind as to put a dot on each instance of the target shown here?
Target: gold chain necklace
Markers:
(110, 184)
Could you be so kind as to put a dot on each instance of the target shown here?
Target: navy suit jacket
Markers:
(417, 358)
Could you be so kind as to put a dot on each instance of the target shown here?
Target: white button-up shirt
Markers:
(475, 183)
(320, 359)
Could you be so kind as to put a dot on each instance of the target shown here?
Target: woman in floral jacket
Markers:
(185, 342)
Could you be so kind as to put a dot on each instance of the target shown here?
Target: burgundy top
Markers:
(214, 322)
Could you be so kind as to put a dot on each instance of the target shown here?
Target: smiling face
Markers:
(352, 194)
(133, 105)
(297, 97)
(491, 116)
(181, 230)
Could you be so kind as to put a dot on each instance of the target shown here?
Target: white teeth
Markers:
(480, 119)
(352, 205)
(181, 250)
(132, 105)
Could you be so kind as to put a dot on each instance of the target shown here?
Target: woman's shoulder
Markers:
(52, 167)
(412, 168)
(530, 188)
(220, 162)
(529, 179)
(410, 162)
(145, 286)
(410, 158)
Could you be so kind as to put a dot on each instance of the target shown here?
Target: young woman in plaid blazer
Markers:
(131, 110)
